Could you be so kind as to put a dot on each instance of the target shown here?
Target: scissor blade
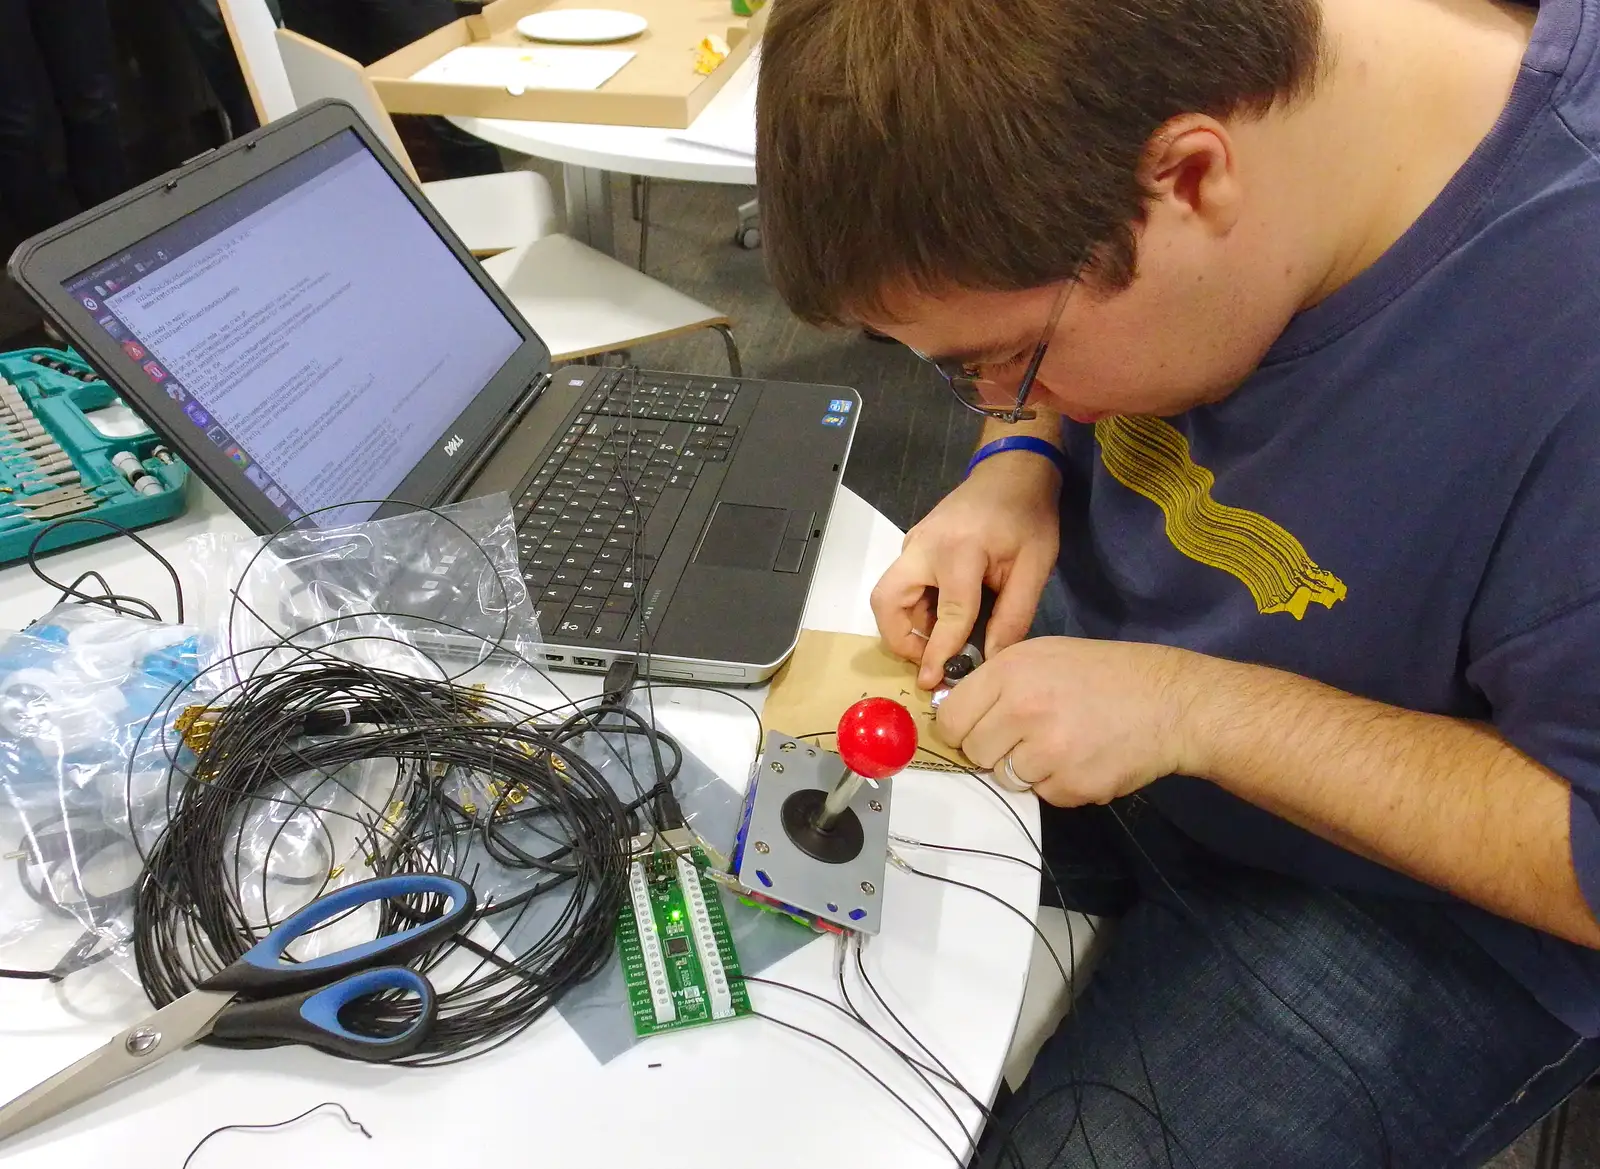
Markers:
(170, 1029)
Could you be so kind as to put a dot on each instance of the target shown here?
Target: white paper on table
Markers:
(517, 69)
(729, 120)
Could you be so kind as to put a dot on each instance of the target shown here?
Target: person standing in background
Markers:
(213, 50)
(57, 64)
(369, 30)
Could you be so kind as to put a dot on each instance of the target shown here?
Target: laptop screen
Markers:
(311, 323)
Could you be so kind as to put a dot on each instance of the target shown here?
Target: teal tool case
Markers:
(63, 392)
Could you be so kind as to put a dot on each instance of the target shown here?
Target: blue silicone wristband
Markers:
(1020, 442)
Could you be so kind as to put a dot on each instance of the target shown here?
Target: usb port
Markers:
(555, 657)
(594, 663)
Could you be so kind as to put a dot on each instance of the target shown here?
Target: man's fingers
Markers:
(922, 619)
(1023, 772)
(900, 607)
(965, 707)
(960, 591)
(1016, 603)
(991, 740)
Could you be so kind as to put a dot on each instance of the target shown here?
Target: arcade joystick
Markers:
(876, 739)
(813, 840)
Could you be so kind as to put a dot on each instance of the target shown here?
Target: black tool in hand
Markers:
(970, 656)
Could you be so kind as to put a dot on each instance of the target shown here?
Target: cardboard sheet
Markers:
(656, 86)
(829, 671)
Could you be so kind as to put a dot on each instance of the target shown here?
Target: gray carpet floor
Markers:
(913, 439)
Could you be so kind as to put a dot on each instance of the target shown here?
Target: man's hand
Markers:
(1447, 801)
(1000, 527)
(1082, 721)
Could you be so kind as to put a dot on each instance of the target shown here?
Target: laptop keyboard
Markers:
(593, 520)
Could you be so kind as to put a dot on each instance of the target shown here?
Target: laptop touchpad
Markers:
(741, 536)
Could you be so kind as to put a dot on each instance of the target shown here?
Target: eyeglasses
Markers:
(964, 378)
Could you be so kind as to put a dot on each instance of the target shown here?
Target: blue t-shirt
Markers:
(1403, 501)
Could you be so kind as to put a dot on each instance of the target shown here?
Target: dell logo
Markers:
(453, 445)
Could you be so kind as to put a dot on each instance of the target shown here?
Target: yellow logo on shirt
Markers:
(1149, 456)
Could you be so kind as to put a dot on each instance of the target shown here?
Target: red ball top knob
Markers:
(877, 737)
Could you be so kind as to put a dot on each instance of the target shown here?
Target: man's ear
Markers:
(1188, 170)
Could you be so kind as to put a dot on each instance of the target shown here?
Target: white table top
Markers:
(951, 963)
(636, 150)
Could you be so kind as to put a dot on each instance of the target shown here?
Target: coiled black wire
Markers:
(476, 780)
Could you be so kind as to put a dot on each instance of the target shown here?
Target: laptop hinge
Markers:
(486, 451)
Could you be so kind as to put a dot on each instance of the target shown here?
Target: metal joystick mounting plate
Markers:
(837, 876)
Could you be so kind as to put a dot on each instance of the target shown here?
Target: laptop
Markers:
(292, 316)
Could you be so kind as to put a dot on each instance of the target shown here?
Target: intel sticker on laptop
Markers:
(840, 406)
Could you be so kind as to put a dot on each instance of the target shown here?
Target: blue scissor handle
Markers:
(262, 970)
(313, 1017)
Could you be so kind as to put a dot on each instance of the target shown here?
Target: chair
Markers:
(1552, 1138)
(1553, 1131)
(580, 301)
(491, 213)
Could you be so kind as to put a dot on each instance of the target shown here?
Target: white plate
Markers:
(582, 26)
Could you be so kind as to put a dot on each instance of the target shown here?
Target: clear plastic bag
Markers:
(427, 593)
(431, 594)
(86, 739)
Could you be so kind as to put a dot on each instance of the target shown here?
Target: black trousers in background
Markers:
(208, 38)
(371, 29)
(57, 66)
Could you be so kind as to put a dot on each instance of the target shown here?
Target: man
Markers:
(1304, 300)
(213, 51)
(58, 66)
(369, 30)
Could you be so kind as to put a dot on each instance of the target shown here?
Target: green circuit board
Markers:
(677, 952)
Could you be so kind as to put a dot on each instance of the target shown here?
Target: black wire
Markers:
(262, 740)
(855, 1018)
(350, 1120)
(910, 842)
(875, 1078)
(1072, 993)
(1169, 1135)
(120, 605)
(1068, 972)
(1234, 957)
(551, 814)
(922, 1070)
(113, 600)
(914, 1065)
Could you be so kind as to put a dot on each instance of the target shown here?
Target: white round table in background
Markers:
(951, 963)
(588, 153)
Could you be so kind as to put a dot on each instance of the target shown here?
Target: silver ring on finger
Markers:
(1011, 773)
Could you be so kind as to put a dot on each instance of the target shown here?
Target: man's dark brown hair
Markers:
(988, 144)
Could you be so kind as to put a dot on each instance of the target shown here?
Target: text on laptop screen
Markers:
(312, 323)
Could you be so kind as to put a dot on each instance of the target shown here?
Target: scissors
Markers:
(263, 1001)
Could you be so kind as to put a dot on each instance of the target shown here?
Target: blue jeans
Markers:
(1257, 1022)
(1270, 1024)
